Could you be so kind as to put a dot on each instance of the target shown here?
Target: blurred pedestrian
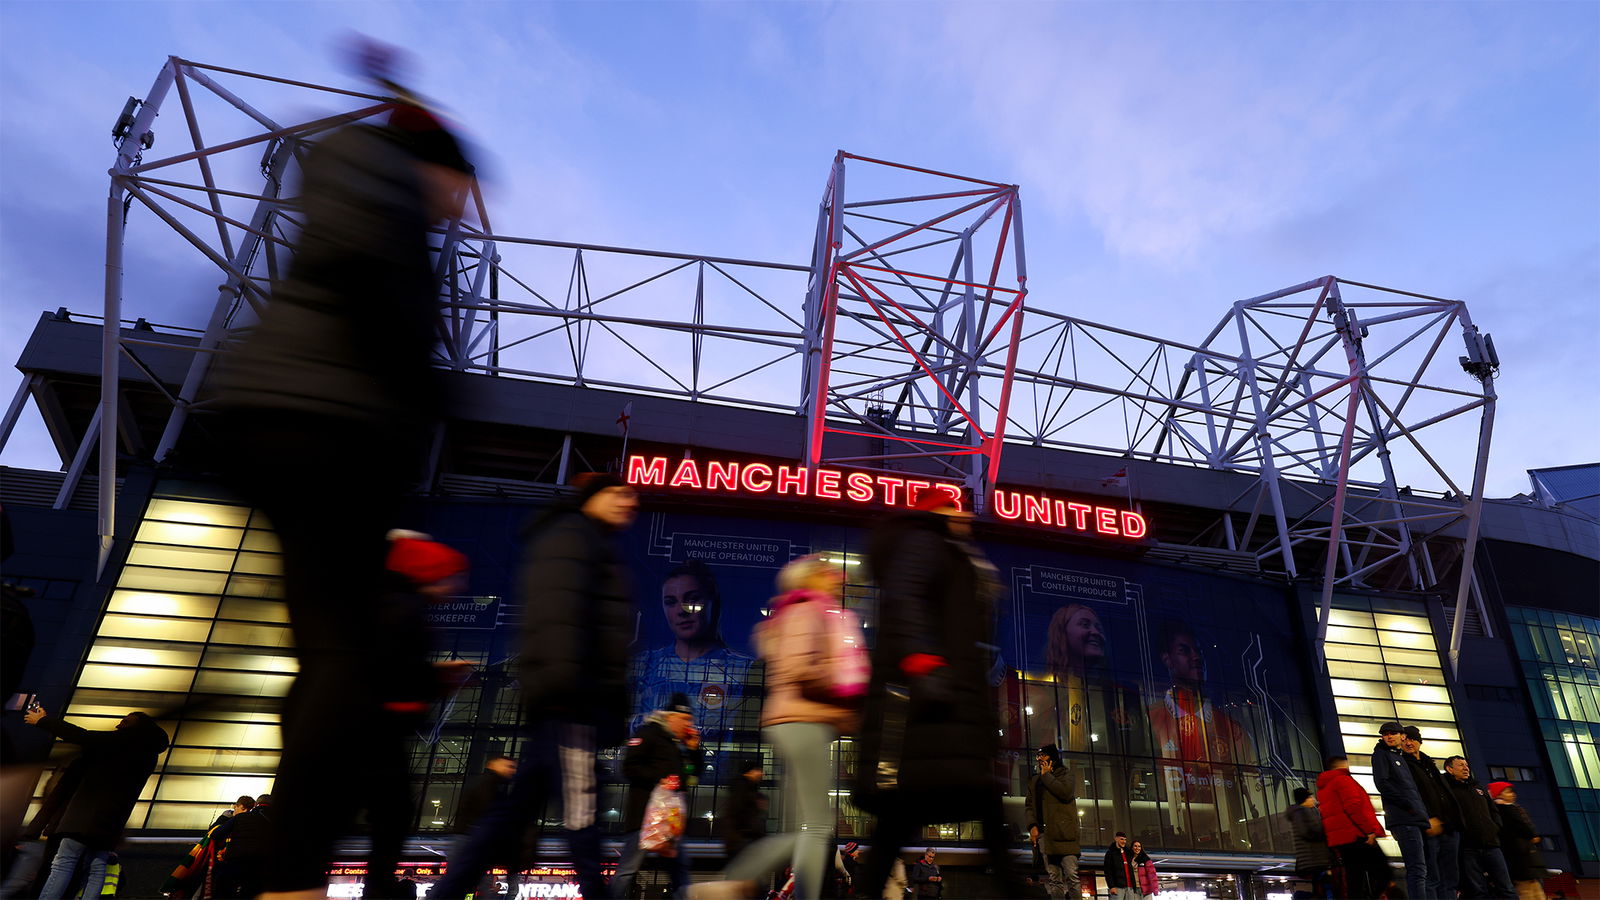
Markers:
(1053, 822)
(1519, 843)
(328, 408)
(577, 614)
(929, 739)
(849, 866)
(925, 877)
(1312, 857)
(1403, 809)
(665, 745)
(478, 796)
(244, 851)
(189, 876)
(116, 764)
(896, 886)
(743, 820)
(802, 720)
(1149, 879)
(1483, 866)
(1121, 872)
(37, 843)
(1351, 825)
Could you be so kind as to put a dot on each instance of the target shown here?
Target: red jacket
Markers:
(1347, 814)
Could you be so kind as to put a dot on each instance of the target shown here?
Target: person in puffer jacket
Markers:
(801, 724)
(1149, 881)
(1351, 825)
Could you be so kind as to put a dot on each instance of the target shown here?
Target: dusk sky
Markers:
(1172, 157)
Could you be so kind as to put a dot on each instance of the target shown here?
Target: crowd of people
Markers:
(1457, 837)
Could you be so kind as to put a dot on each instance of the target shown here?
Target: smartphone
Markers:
(22, 702)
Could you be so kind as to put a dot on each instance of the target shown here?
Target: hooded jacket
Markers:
(1053, 809)
(1310, 839)
(1402, 802)
(115, 765)
(1347, 813)
(1523, 859)
(788, 643)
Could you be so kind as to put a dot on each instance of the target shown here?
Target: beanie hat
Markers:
(1300, 795)
(421, 132)
(679, 704)
(424, 561)
(591, 483)
(1497, 788)
(850, 846)
(1412, 732)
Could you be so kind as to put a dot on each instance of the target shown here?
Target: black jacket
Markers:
(936, 596)
(1053, 809)
(1480, 819)
(1402, 803)
(1430, 784)
(1311, 852)
(1121, 871)
(918, 878)
(744, 814)
(115, 764)
(577, 623)
(652, 755)
(1523, 859)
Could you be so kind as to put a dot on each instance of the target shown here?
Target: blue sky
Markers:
(1173, 157)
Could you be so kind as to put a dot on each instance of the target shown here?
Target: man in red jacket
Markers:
(1353, 830)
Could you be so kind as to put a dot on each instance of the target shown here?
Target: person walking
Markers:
(573, 666)
(929, 740)
(1149, 879)
(1351, 825)
(1441, 841)
(483, 793)
(1483, 866)
(115, 766)
(1403, 809)
(925, 877)
(1053, 823)
(1312, 858)
(802, 720)
(743, 820)
(1121, 872)
(1519, 843)
(666, 744)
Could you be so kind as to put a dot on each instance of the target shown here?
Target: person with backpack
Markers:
(1519, 843)
(816, 673)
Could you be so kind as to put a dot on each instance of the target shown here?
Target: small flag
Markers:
(622, 420)
(1118, 478)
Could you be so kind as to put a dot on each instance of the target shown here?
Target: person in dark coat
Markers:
(115, 766)
(1519, 843)
(1312, 858)
(744, 810)
(573, 666)
(1121, 870)
(327, 411)
(1053, 822)
(925, 877)
(1403, 810)
(930, 729)
(1441, 840)
(666, 744)
(478, 797)
(1483, 866)
(244, 847)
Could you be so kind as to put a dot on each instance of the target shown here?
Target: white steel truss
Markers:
(1321, 392)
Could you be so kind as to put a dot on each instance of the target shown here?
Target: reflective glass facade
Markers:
(1560, 655)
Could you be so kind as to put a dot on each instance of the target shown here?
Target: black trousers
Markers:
(332, 489)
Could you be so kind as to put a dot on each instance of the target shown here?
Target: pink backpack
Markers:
(843, 668)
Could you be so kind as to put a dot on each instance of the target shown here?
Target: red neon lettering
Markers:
(914, 488)
(1134, 525)
(723, 475)
(750, 484)
(792, 481)
(1036, 510)
(1080, 514)
(891, 485)
(828, 483)
(1002, 510)
(643, 471)
(858, 486)
(688, 475)
(1105, 520)
(953, 492)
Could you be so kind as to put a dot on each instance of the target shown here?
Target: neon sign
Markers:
(866, 488)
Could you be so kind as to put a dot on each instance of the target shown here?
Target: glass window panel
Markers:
(252, 635)
(228, 735)
(1371, 690)
(1400, 657)
(1346, 635)
(1415, 674)
(165, 655)
(203, 558)
(1407, 639)
(142, 578)
(154, 604)
(248, 660)
(189, 535)
(194, 817)
(1350, 617)
(154, 629)
(1421, 693)
(255, 586)
(222, 760)
(254, 610)
(1355, 652)
(1359, 707)
(261, 541)
(135, 678)
(259, 564)
(1424, 712)
(197, 513)
(1392, 622)
(211, 681)
(1344, 669)
(211, 788)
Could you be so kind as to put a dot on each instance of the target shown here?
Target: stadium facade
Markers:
(1198, 610)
